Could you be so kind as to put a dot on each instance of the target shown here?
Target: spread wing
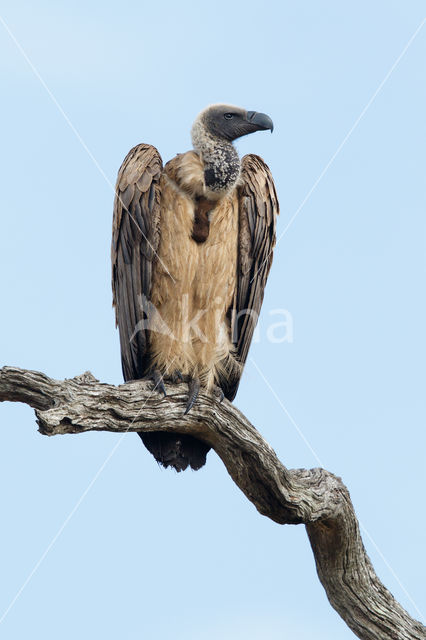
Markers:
(258, 208)
(135, 237)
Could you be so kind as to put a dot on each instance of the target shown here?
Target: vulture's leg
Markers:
(218, 392)
(156, 377)
(194, 388)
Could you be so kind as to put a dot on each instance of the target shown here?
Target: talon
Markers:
(158, 381)
(194, 388)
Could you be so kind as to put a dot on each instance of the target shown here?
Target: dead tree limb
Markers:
(316, 498)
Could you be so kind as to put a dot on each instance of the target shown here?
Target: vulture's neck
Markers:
(220, 158)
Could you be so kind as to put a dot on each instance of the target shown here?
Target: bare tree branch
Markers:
(314, 497)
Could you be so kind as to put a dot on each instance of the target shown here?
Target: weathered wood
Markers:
(314, 497)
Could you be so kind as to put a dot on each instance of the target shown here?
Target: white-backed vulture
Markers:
(191, 251)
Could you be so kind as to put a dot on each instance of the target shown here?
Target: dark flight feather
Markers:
(136, 214)
(258, 208)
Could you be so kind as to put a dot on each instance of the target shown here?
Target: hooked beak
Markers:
(260, 121)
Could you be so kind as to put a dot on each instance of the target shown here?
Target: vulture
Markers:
(191, 251)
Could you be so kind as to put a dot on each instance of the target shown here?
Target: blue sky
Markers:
(149, 553)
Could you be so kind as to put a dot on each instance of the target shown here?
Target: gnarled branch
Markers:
(314, 497)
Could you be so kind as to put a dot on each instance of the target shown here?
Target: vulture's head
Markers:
(226, 122)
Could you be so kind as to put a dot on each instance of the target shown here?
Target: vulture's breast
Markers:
(194, 282)
(207, 268)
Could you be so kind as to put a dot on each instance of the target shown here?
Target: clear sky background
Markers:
(149, 553)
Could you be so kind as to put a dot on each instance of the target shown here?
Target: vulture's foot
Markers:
(176, 376)
(157, 379)
(218, 393)
(193, 391)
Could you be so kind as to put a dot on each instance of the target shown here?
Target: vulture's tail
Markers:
(176, 450)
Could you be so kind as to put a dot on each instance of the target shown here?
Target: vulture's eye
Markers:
(228, 116)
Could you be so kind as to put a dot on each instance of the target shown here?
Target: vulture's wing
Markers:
(135, 237)
(258, 208)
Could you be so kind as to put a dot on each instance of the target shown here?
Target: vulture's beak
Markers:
(260, 120)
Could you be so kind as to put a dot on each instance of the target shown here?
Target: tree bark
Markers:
(315, 497)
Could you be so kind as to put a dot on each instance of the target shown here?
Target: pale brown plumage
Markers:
(189, 268)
